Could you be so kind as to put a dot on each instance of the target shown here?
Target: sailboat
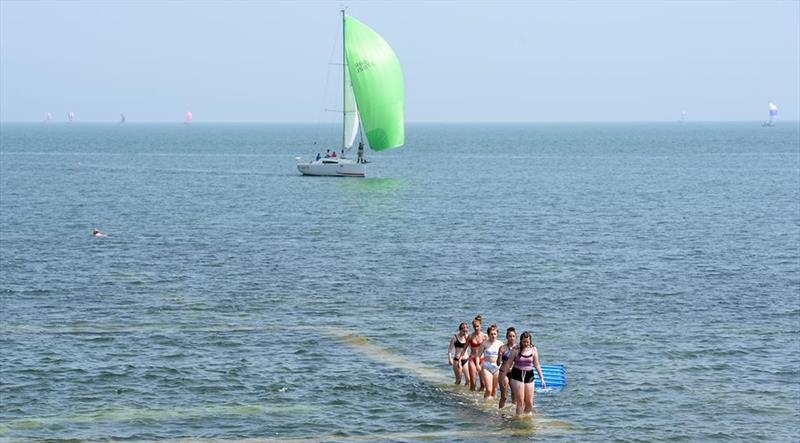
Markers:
(372, 102)
(121, 118)
(48, 117)
(71, 117)
(773, 115)
(189, 118)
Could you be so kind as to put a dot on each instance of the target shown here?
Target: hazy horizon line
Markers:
(464, 122)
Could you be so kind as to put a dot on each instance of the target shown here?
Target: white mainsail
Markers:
(350, 113)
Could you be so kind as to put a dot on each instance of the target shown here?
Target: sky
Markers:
(463, 61)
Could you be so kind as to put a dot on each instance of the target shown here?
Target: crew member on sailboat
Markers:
(361, 152)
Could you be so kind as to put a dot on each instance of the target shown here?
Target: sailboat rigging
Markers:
(373, 101)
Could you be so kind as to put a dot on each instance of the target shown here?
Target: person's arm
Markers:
(507, 365)
(450, 354)
(500, 355)
(538, 367)
(480, 350)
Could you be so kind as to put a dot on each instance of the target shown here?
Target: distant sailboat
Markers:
(122, 118)
(48, 117)
(773, 115)
(683, 116)
(189, 117)
(71, 117)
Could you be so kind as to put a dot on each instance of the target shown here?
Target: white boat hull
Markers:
(333, 167)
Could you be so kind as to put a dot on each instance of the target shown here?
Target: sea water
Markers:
(660, 263)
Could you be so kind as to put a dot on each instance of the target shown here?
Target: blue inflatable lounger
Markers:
(554, 375)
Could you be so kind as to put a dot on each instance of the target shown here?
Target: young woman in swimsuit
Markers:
(490, 374)
(475, 360)
(522, 361)
(458, 359)
(505, 353)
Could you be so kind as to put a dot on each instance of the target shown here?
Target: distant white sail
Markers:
(773, 114)
(48, 116)
(773, 110)
(71, 116)
(350, 113)
(189, 117)
(122, 118)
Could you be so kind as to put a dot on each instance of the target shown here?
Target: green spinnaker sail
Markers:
(377, 81)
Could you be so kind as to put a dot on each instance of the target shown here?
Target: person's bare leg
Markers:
(529, 392)
(486, 381)
(518, 390)
(495, 382)
(503, 390)
(473, 374)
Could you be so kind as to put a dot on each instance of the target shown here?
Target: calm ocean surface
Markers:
(235, 299)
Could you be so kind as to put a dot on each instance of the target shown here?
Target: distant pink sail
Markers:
(71, 116)
(189, 116)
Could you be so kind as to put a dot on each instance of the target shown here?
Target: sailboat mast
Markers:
(344, 86)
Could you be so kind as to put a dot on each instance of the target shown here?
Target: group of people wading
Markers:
(481, 356)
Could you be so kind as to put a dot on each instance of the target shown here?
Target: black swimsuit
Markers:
(460, 345)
